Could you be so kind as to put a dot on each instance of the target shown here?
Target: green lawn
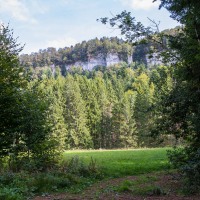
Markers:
(117, 163)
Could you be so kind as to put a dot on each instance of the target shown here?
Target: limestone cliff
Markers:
(100, 60)
(96, 52)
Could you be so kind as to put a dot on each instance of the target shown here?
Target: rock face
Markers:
(112, 59)
(153, 60)
(100, 60)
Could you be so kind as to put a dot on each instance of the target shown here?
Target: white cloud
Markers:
(38, 6)
(62, 42)
(140, 4)
(17, 9)
(23, 10)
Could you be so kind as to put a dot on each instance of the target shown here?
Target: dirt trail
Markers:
(104, 191)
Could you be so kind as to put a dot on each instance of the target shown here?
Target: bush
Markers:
(10, 194)
(187, 161)
(17, 186)
(7, 178)
(51, 182)
(23, 185)
(76, 166)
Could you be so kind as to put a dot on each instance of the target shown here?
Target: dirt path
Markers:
(104, 190)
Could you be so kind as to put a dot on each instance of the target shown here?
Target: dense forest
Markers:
(109, 108)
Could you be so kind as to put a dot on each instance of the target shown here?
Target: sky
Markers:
(40, 24)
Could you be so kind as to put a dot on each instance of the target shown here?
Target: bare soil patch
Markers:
(106, 190)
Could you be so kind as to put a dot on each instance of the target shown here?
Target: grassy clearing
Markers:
(117, 163)
(78, 172)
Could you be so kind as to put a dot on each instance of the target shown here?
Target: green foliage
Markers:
(182, 104)
(10, 194)
(12, 84)
(68, 175)
(24, 129)
(22, 185)
(89, 92)
(109, 108)
(106, 109)
(53, 89)
(77, 166)
(162, 78)
(143, 104)
(80, 170)
(125, 186)
(187, 161)
(128, 26)
(78, 135)
(52, 182)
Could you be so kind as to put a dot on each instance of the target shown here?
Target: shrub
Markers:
(17, 185)
(51, 182)
(10, 194)
(7, 178)
(76, 166)
(187, 161)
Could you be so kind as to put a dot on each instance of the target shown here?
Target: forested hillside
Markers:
(93, 53)
(96, 52)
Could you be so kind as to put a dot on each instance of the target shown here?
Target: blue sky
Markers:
(59, 23)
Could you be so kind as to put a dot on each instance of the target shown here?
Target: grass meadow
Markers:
(118, 163)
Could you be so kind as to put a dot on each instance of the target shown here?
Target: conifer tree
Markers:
(143, 104)
(128, 129)
(55, 116)
(106, 111)
(12, 84)
(78, 135)
(89, 93)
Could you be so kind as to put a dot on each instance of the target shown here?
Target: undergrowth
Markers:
(80, 170)
(70, 175)
(143, 185)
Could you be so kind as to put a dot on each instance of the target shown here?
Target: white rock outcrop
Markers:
(112, 59)
(99, 60)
